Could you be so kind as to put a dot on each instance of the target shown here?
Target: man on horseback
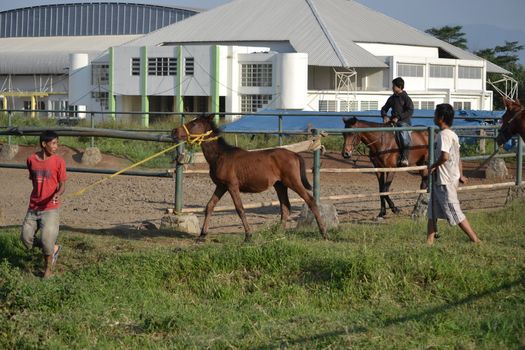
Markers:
(402, 110)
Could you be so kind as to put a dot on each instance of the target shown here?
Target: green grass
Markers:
(371, 286)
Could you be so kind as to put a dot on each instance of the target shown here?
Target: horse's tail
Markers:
(302, 169)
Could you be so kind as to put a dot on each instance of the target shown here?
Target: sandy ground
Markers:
(129, 201)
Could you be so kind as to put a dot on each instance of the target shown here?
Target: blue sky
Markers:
(486, 22)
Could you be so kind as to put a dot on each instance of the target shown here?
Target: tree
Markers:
(452, 35)
(506, 56)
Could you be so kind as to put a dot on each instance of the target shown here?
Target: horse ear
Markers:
(506, 102)
(210, 117)
(517, 101)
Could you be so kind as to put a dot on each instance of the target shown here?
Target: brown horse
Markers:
(384, 153)
(513, 121)
(236, 170)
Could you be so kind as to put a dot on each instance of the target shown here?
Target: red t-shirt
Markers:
(45, 175)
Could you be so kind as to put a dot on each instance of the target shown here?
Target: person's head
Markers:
(49, 142)
(444, 115)
(398, 84)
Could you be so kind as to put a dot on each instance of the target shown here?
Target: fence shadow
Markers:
(417, 316)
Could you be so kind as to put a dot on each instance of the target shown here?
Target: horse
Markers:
(513, 121)
(235, 170)
(384, 153)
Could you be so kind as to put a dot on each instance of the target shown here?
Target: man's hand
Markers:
(395, 120)
(463, 179)
(386, 120)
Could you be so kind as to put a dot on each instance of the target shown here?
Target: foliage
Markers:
(506, 56)
(372, 286)
(450, 34)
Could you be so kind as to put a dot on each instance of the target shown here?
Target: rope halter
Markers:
(198, 139)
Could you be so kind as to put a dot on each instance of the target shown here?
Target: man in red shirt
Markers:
(47, 171)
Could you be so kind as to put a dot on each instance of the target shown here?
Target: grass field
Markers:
(371, 286)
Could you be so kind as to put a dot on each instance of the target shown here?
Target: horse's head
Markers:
(511, 120)
(351, 139)
(195, 131)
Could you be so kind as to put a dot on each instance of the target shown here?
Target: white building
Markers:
(327, 55)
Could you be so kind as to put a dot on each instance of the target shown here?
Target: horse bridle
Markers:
(505, 129)
(198, 139)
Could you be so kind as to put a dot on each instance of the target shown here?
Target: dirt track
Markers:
(128, 201)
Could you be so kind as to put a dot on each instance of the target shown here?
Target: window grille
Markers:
(410, 70)
(252, 103)
(135, 66)
(469, 72)
(162, 66)
(99, 74)
(441, 71)
(369, 105)
(256, 74)
(189, 68)
(327, 106)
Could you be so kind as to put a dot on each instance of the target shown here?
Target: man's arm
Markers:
(462, 178)
(385, 109)
(443, 157)
(408, 109)
(60, 190)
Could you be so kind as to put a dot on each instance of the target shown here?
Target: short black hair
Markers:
(399, 82)
(47, 136)
(446, 112)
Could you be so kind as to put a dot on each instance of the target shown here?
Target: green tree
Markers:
(506, 56)
(452, 35)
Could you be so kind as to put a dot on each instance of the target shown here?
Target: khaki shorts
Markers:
(47, 222)
(444, 204)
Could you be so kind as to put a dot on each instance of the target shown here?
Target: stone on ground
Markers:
(8, 152)
(180, 223)
(307, 220)
(91, 156)
(496, 169)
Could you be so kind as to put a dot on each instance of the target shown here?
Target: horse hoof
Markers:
(248, 239)
(200, 239)
(379, 218)
(396, 210)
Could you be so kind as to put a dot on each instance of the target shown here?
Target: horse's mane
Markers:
(368, 123)
(218, 132)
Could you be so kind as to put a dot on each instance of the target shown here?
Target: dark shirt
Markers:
(402, 107)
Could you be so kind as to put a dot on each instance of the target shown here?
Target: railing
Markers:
(179, 173)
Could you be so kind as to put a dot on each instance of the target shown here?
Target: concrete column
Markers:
(144, 105)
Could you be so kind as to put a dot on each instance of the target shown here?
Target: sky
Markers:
(487, 23)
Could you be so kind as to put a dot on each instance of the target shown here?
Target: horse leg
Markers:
(309, 200)
(381, 181)
(389, 177)
(282, 193)
(217, 195)
(236, 197)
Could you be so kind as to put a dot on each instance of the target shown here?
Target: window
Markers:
(327, 106)
(441, 71)
(101, 97)
(256, 75)
(462, 105)
(189, 68)
(135, 66)
(410, 70)
(162, 66)
(99, 74)
(427, 105)
(369, 105)
(348, 106)
(469, 72)
(252, 103)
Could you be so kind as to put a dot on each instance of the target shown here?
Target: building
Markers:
(37, 41)
(326, 55)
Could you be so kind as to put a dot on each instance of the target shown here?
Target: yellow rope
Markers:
(82, 191)
(198, 139)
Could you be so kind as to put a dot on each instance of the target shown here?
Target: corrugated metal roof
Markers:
(325, 29)
(50, 55)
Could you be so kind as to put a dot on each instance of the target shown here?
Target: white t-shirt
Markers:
(448, 173)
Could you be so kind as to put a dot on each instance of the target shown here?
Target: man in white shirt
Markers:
(447, 172)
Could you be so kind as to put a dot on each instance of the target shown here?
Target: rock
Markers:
(496, 169)
(91, 156)
(421, 206)
(514, 193)
(180, 223)
(8, 152)
(328, 212)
